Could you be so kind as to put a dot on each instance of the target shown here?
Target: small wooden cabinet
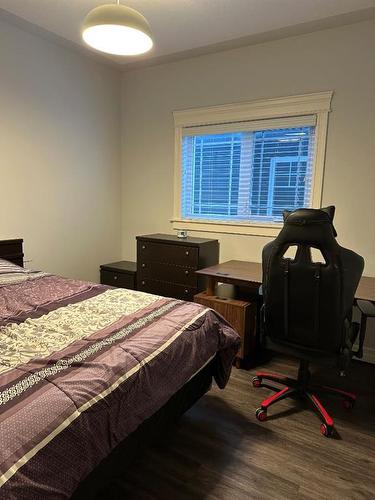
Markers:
(119, 274)
(232, 290)
(166, 264)
(240, 314)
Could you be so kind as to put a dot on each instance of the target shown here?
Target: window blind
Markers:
(248, 173)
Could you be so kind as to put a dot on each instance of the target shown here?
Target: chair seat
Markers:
(322, 358)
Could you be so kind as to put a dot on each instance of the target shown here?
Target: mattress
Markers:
(82, 366)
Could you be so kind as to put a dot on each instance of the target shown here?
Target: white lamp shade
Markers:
(117, 29)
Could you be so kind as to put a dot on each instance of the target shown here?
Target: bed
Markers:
(89, 374)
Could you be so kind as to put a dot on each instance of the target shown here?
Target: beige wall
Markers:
(59, 154)
(339, 59)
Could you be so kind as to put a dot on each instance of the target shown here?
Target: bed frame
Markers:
(105, 480)
(12, 250)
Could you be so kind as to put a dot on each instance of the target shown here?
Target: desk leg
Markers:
(211, 282)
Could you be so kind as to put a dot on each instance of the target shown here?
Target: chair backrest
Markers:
(308, 300)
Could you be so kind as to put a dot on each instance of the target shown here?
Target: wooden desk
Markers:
(249, 274)
(234, 272)
(366, 289)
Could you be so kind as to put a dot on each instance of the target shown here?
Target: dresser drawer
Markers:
(166, 289)
(121, 280)
(166, 272)
(151, 251)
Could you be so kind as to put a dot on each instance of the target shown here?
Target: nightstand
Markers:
(120, 274)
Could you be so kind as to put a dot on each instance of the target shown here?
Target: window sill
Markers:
(227, 227)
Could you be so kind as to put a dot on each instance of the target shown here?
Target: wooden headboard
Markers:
(12, 250)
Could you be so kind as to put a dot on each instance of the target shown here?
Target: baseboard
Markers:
(368, 355)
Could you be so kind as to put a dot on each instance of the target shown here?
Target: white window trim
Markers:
(318, 104)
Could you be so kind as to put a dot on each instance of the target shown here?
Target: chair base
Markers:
(302, 389)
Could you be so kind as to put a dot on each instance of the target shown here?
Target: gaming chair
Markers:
(307, 305)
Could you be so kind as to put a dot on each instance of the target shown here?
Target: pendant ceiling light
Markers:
(116, 29)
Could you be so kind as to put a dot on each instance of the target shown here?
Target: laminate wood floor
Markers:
(219, 450)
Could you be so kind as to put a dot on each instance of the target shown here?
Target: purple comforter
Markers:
(82, 366)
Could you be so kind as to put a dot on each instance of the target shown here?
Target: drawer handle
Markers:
(143, 265)
(187, 273)
(115, 277)
(143, 283)
(143, 247)
(187, 252)
(186, 291)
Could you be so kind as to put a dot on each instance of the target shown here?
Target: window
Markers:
(244, 176)
(236, 174)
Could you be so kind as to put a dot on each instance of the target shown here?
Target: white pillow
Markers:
(7, 267)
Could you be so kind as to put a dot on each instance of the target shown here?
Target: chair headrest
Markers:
(309, 224)
(306, 216)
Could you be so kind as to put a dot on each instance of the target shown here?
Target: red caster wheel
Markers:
(261, 414)
(326, 430)
(348, 404)
(257, 382)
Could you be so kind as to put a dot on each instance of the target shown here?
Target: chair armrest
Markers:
(367, 310)
(366, 307)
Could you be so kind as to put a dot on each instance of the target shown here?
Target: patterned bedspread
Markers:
(82, 366)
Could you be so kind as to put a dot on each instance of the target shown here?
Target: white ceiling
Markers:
(182, 26)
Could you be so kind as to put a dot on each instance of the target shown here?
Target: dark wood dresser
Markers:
(119, 274)
(166, 264)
